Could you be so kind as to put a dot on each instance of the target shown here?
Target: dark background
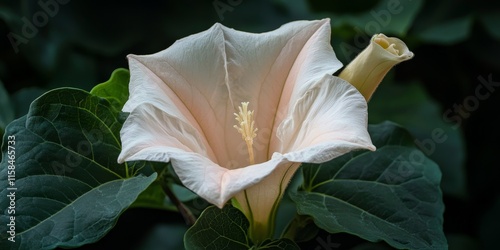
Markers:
(456, 44)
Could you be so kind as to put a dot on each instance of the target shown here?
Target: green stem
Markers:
(188, 216)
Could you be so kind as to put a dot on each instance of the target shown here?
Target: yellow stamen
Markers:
(246, 128)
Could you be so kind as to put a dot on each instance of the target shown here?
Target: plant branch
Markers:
(188, 216)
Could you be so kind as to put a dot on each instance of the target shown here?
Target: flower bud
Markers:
(368, 69)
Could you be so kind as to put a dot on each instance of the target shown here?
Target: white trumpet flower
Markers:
(289, 109)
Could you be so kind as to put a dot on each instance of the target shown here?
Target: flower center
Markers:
(246, 128)
(384, 43)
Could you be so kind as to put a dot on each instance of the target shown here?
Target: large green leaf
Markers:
(391, 194)
(70, 188)
(408, 105)
(219, 229)
(227, 228)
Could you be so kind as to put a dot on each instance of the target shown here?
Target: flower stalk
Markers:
(188, 216)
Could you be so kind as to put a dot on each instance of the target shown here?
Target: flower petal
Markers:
(216, 184)
(330, 119)
(201, 79)
(153, 135)
(149, 129)
(314, 61)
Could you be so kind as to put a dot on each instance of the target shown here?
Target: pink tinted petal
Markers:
(180, 82)
(316, 58)
(149, 129)
(330, 119)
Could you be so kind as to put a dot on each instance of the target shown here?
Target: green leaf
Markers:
(219, 229)
(115, 90)
(391, 194)
(70, 188)
(393, 102)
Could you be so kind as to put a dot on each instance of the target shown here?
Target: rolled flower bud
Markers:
(368, 69)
